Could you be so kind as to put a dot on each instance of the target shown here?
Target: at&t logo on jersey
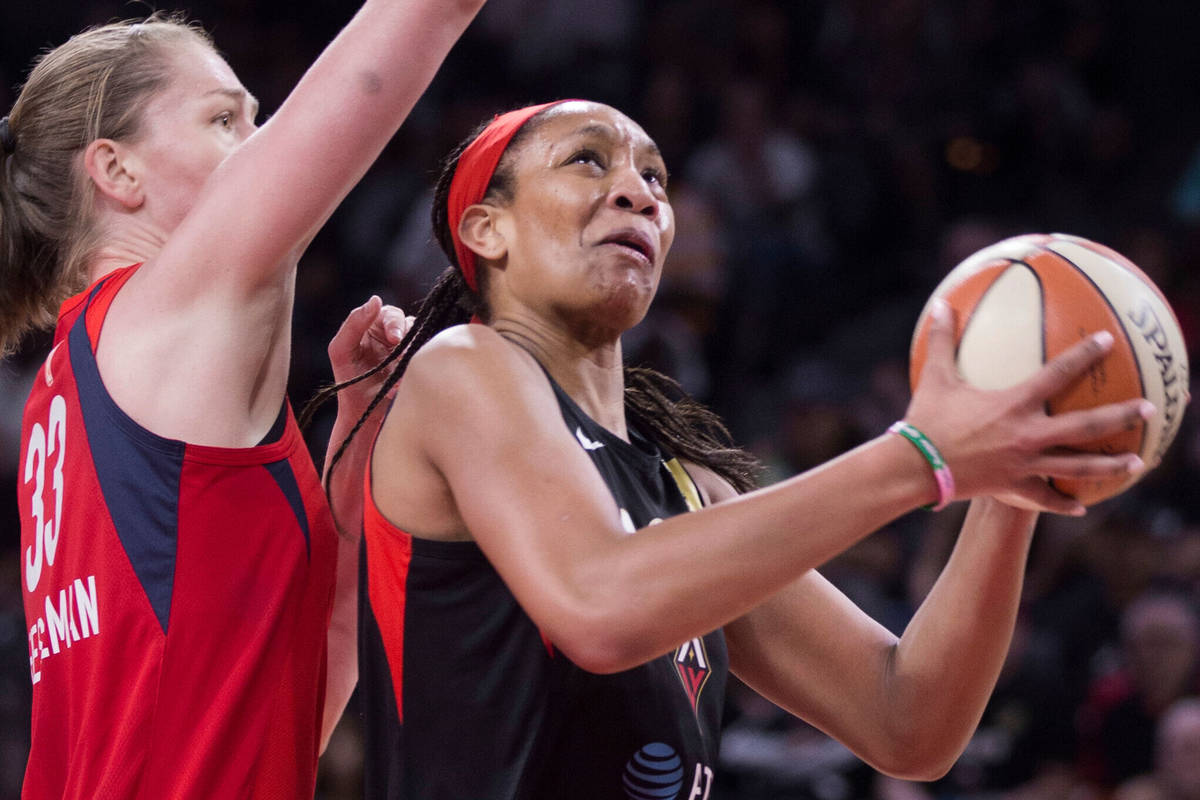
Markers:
(72, 613)
(656, 772)
(691, 664)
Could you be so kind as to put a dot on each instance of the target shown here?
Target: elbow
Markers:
(599, 636)
(599, 649)
(921, 730)
(595, 620)
(920, 756)
(919, 770)
(599, 660)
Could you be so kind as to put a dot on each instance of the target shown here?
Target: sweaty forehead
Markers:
(563, 125)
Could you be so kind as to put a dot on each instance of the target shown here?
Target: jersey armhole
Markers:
(692, 495)
(102, 299)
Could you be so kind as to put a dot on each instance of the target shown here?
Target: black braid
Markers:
(667, 414)
(448, 303)
(330, 389)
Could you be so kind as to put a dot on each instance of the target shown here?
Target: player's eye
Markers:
(655, 175)
(586, 156)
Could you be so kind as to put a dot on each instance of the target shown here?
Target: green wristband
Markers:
(941, 471)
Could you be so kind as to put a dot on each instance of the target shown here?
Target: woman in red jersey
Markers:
(178, 556)
(543, 621)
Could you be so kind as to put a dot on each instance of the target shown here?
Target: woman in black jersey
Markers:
(537, 622)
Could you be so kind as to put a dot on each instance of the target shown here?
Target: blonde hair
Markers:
(93, 86)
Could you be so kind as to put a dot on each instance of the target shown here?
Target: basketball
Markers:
(1023, 301)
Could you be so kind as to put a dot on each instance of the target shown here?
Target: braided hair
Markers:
(656, 404)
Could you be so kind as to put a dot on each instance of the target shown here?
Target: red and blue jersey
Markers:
(177, 596)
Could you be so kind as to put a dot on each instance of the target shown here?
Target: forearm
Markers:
(346, 501)
(360, 344)
(342, 670)
(694, 573)
(344, 483)
(370, 76)
(943, 669)
(326, 134)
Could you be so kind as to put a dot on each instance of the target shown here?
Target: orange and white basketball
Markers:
(1021, 302)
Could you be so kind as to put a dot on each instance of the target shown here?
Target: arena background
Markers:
(831, 160)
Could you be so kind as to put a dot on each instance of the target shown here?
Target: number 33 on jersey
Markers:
(69, 609)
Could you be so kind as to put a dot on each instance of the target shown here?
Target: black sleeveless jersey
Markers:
(465, 699)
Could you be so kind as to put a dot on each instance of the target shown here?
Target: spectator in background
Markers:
(760, 178)
(1176, 773)
(671, 337)
(1160, 664)
(581, 46)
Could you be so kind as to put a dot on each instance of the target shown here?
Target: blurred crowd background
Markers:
(831, 160)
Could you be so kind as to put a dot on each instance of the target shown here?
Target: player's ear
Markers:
(480, 229)
(115, 172)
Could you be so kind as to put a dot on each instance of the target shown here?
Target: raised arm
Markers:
(270, 197)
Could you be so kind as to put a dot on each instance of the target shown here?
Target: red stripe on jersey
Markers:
(389, 553)
(98, 309)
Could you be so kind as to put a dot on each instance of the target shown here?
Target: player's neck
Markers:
(598, 390)
(117, 252)
(591, 374)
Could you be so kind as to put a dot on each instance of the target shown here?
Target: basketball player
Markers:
(178, 555)
(541, 620)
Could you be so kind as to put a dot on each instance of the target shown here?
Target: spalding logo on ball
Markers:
(1025, 300)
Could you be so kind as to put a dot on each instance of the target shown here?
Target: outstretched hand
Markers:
(1003, 443)
(367, 335)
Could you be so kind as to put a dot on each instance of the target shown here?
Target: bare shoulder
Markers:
(713, 488)
(468, 362)
(456, 394)
(468, 414)
(470, 385)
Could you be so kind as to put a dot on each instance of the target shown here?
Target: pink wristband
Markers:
(941, 471)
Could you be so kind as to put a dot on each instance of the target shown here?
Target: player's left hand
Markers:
(366, 337)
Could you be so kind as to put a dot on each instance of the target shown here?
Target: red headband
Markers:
(474, 172)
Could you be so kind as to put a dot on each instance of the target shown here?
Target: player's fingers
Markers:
(1063, 370)
(1041, 495)
(354, 327)
(1081, 427)
(395, 324)
(1088, 465)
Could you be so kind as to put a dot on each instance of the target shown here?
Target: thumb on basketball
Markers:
(939, 358)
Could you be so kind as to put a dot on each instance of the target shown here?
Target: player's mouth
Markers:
(634, 242)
